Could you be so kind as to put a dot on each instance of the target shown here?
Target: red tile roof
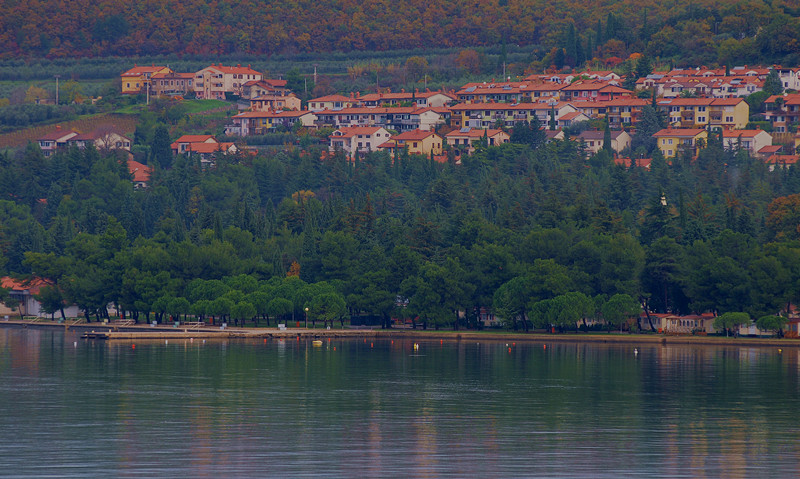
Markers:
(328, 98)
(57, 134)
(783, 159)
(679, 132)
(139, 71)
(32, 285)
(414, 135)
(195, 139)
(141, 173)
(570, 116)
(770, 149)
(238, 69)
(788, 98)
(741, 133)
(641, 162)
(208, 147)
(186, 76)
(474, 133)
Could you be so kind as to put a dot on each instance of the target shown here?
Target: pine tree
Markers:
(643, 67)
(571, 45)
(160, 150)
(773, 84)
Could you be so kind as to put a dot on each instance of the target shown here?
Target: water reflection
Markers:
(381, 408)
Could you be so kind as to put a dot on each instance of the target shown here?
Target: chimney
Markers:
(402, 90)
(238, 64)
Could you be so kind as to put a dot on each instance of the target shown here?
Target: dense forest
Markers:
(526, 228)
(690, 32)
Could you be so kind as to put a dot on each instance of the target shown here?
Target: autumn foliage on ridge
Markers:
(708, 30)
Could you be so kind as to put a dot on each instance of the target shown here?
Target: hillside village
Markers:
(678, 112)
(693, 102)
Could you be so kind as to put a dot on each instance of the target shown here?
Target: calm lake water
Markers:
(75, 408)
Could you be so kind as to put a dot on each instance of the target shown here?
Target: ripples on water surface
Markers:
(379, 409)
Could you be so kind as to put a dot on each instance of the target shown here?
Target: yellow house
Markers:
(671, 141)
(418, 141)
(729, 113)
(135, 80)
(725, 113)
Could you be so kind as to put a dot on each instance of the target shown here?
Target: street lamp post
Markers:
(306, 310)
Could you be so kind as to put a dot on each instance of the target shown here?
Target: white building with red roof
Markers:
(395, 118)
(185, 142)
(358, 139)
(465, 138)
(137, 78)
(593, 140)
(751, 140)
(216, 80)
(417, 141)
(140, 174)
(261, 122)
(172, 83)
(331, 102)
(55, 139)
(425, 99)
(23, 292)
(104, 138)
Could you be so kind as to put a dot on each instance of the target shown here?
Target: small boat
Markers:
(316, 342)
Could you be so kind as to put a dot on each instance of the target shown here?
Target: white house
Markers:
(358, 139)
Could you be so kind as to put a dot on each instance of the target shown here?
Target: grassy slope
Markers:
(123, 119)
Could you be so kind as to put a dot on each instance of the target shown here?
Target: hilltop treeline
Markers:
(515, 229)
(692, 32)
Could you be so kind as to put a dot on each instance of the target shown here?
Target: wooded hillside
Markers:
(695, 32)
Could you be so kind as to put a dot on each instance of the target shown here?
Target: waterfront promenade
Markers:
(133, 332)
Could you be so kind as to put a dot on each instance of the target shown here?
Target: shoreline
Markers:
(110, 332)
